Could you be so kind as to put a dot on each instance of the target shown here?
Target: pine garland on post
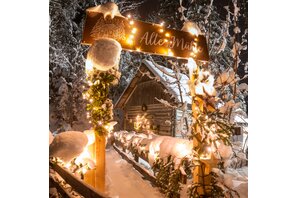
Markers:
(100, 112)
(100, 107)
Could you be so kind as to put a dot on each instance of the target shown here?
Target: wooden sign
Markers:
(144, 37)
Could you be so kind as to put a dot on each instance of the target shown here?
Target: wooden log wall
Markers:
(156, 114)
(144, 94)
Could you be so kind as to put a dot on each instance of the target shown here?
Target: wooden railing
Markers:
(76, 183)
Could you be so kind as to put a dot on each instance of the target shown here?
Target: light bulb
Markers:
(134, 30)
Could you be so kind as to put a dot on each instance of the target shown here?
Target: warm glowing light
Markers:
(89, 65)
(161, 30)
(206, 155)
(170, 53)
(162, 23)
(134, 30)
(131, 36)
(129, 41)
(84, 170)
(165, 40)
(82, 156)
(67, 165)
(131, 22)
(138, 49)
(167, 34)
(91, 100)
(90, 122)
(91, 136)
(100, 122)
(129, 16)
(195, 39)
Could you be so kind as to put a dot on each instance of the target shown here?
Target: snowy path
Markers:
(123, 181)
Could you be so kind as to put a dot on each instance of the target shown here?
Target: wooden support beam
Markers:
(89, 177)
(100, 163)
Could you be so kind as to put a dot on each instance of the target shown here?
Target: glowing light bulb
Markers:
(195, 39)
(129, 16)
(167, 34)
(91, 100)
(161, 30)
(131, 36)
(165, 40)
(138, 49)
(134, 30)
(162, 23)
(131, 22)
(129, 41)
(91, 136)
(170, 53)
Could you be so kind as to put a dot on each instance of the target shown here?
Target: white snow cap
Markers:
(191, 27)
(68, 145)
(105, 54)
(108, 9)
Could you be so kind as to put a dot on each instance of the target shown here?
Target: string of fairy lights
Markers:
(166, 40)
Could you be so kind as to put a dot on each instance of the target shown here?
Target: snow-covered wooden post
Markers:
(199, 172)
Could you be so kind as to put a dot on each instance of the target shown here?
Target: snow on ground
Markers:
(123, 181)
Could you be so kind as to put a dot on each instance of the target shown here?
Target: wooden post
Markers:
(89, 177)
(100, 163)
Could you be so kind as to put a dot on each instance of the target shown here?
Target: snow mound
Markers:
(51, 137)
(165, 146)
(68, 145)
(191, 27)
(104, 54)
(108, 9)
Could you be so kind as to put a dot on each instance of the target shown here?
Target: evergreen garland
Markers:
(168, 177)
(100, 107)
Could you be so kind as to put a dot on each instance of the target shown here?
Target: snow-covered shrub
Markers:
(68, 145)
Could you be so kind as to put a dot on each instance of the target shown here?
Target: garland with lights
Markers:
(100, 107)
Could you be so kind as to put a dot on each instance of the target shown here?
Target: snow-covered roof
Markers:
(166, 77)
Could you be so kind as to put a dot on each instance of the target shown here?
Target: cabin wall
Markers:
(156, 114)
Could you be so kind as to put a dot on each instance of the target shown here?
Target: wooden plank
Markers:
(77, 184)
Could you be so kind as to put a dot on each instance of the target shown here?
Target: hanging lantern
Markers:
(104, 54)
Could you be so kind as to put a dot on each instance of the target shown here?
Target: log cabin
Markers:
(140, 104)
